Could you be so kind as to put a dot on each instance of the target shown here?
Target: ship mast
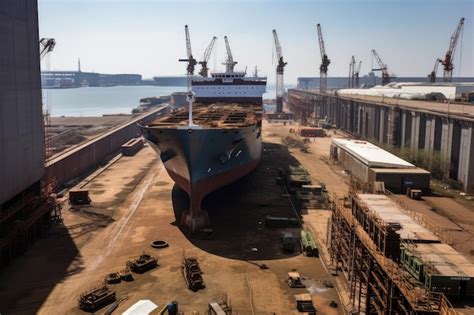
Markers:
(190, 71)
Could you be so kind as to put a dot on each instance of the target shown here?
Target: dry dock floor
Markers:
(134, 203)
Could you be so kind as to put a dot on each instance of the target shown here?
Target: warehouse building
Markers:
(369, 164)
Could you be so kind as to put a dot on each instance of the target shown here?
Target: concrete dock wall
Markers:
(442, 131)
(94, 153)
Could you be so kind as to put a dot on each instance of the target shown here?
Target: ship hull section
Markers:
(203, 160)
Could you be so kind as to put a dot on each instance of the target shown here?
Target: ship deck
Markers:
(216, 115)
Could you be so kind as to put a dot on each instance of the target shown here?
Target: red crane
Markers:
(448, 58)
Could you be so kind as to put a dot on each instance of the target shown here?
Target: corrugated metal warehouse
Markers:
(368, 163)
(21, 120)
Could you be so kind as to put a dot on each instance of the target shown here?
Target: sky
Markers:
(147, 36)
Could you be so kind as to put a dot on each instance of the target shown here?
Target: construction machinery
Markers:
(382, 67)
(447, 63)
(143, 263)
(46, 46)
(432, 75)
(190, 59)
(192, 274)
(323, 68)
(92, 300)
(205, 58)
(229, 62)
(280, 90)
(294, 280)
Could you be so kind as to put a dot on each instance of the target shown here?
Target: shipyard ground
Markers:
(135, 202)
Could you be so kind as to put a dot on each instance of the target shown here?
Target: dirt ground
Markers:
(134, 203)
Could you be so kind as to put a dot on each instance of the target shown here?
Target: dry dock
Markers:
(133, 203)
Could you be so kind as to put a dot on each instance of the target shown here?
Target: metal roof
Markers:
(370, 154)
(445, 260)
(142, 307)
(392, 213)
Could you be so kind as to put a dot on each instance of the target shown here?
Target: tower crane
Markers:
(432, 75)
(229, 63)
(205, 58)
(357, 75)
(279, 74)
(46, 46)
(190, 59)
(447, 63)
(383, 68)
(351, 78)
(323, 68)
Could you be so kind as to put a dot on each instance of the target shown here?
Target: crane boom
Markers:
(323, 68)
(383, 68)
(205, 58)
(448, 58)
(280, 90)
(229, 63)
(190, 59)
(46, 46)
(277, 45)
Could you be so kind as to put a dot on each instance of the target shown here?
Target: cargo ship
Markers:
(220, 142)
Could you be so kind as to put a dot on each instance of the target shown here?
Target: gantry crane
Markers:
(46, 46)
(447, 63)
(323, 69)
(351, 78)
(190, 59)
(229, 62)
(357, 75)
(432, 75)
(205, 58)
(383, 68)
(280, 90)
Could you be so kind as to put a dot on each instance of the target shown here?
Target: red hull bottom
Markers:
(196, 218)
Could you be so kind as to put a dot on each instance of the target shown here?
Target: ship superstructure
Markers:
(222, 143)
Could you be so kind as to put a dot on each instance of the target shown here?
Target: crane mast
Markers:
(357, 75)
(351, 78)
(205, 58)
(229, 63)
(447, 63)
(323, 68)
(279, 74)
(383, 68)
(190, 59)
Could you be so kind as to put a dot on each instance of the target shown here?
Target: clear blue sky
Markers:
(147, 36)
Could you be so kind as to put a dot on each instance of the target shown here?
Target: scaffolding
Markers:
(377, 283)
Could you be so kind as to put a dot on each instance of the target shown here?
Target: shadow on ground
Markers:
(237, 211)
(29, 279)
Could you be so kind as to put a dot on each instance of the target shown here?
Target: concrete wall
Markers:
(21, 120)
(80, 161)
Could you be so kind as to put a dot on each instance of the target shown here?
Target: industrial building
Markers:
(369, 163)
(72, 79)
(24, 209)
(442, 130)
(367, 244)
